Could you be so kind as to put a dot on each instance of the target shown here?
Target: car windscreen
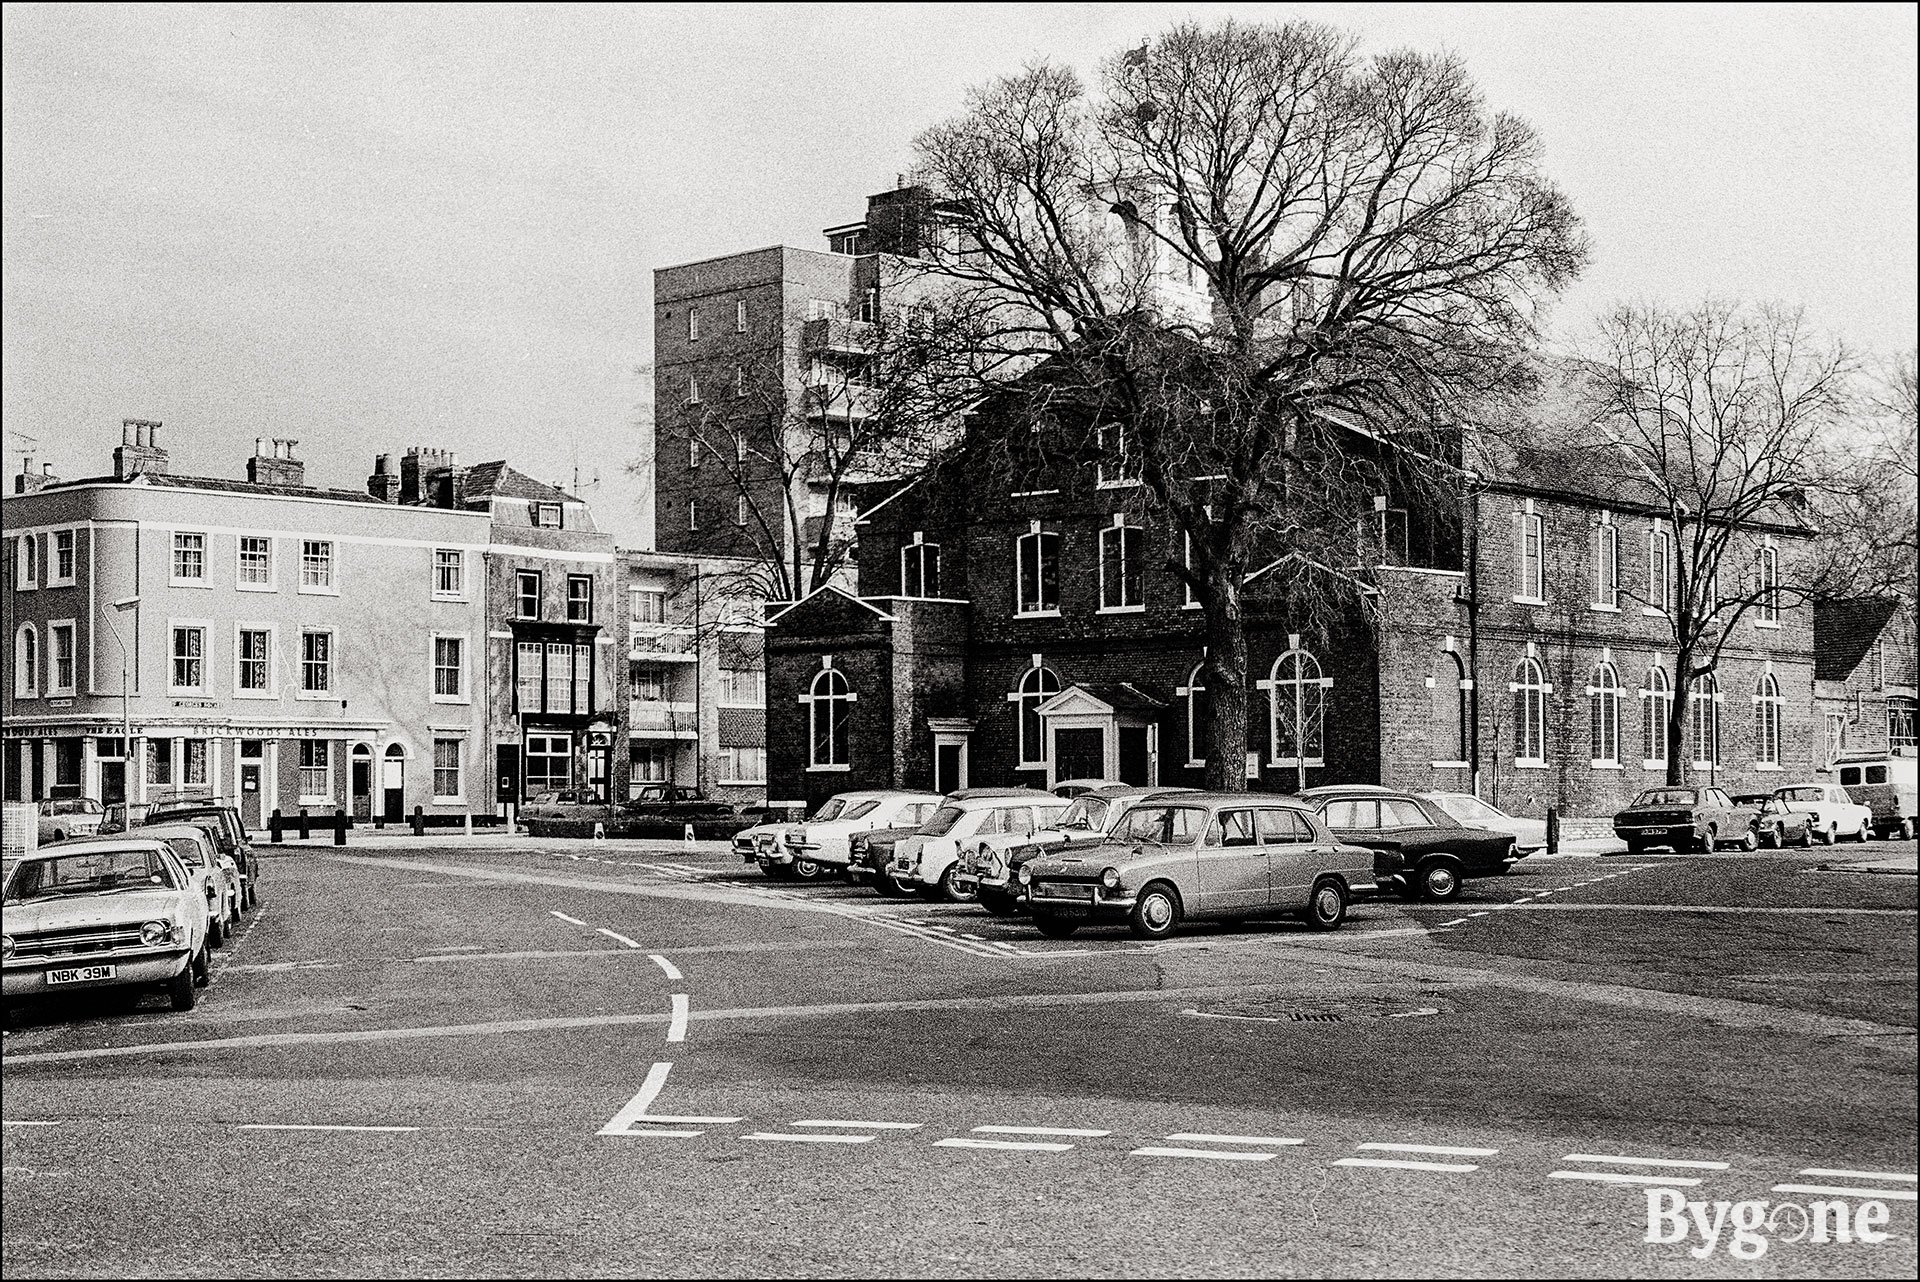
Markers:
(1666, 797)
(187, 850)
(93, 873)
(1087, 812)
(1801, 794)
(1169, 825)
(942, 822)
(830, 811)
(862, 809)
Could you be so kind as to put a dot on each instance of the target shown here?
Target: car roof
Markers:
(161, 831)
(885, 794)
(1090, 782)
(1117, 790)
(1196, 797)
(96, 846)
(978, 794)
(988, 798)
(1337, 789)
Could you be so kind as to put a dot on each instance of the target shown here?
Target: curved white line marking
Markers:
(614, 934)
(563, 917)
(677, 1026)
(672, 971)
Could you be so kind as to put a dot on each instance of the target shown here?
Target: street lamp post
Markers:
(126, 718)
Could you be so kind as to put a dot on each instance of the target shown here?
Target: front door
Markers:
(1080, 754)
(946, 768)
(113, 782)
(362, 781)
(393, 772)
(1136, 766)
(1232, 865)
(252, 803)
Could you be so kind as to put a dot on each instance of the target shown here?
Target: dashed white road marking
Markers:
(289, 1126)
(11, 1122)
(1442, 1149)
(677, 1026)
(1617, 1177)
(1193, 1137)
(1212, 1154)
(1010, 1145)
(672, 971)
(563, 917)
(616, 935)
(1844, 1174)
(634, 1111)
(807, 1139)
(1398, 1165)
(1891, 1195)
(1647, 1161)
(1076, 1132)
(876, 1126)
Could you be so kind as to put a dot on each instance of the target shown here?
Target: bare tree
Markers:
(1272, 278)
(1718, 415)
(1867, 509)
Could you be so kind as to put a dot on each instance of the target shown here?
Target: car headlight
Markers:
(1110, 877)
(156, 932)
(1026, 875)
(6, 945)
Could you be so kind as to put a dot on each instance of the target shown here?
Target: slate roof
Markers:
(1844, 631)
(165, 480)
(497, 480)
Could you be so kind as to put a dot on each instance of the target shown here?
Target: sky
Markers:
(375, 227)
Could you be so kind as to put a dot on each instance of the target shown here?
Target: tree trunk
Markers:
(1226, 680)
(1677, 718)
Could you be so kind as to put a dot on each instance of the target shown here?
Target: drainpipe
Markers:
(1473, 640)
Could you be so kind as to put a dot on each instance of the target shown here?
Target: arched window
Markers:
(26, 662)
(829, 706)
(1296, 710)
(1036, 687)
(1199, 714)
(1447, 692)
(1530, 690)
(1703, 719)
(1656, 705)
(1605, 694)
(1768, 707)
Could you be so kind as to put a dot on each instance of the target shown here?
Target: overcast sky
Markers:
(375, 227)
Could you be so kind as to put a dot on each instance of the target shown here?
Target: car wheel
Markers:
(1156, 912)
(1866, 832)
(806, 870)
(1329, 906)
(1776, 837)
(202, 971)
(949, 886)
(1831, 835)
(1439, 879)
(997, 902)
(1636, 847)
(1711, 841)
(1905, 831)
(1750, 841)
(180, 989)
(216, 934)
(1054, 926)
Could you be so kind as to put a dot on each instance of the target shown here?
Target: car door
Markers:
(1232, 864)
(1293, 857)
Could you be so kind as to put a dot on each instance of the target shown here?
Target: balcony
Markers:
(850, 337)
(662, 642)
(657, 719)
(839, 400)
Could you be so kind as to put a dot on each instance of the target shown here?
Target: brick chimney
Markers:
(384, 484)
(273, 462)
(416, 465)
(446, 485)
(30, 481)
(139, 450)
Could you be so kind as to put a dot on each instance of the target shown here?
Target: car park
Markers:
(870, 853)
(1888, 786)
(1439, 852)
(110, 912)
(229, 833)
(990, 871)
(822, 843)
(215, 876)
(1529, 835)
(1774, 824)
(1219, 855)
(1686, 819)
(1830, 812)
(928, 861)
(62, 818)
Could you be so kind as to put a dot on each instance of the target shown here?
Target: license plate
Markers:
(79, 974)
(1046, 890)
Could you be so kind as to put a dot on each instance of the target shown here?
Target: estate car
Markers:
(1439, 852)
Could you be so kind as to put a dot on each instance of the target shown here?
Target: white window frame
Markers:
(26, 562)
(1298, 685)
(459, 567)
(1533, 566)
(56, 628)
(1040, 538)
(26, 668)
(1606, 565)
(300, 771)
(1037, 676)
(54, 577)
(587, 579)
(1605, 696)
(459, 794)
(465, 692)
(730, 774)
(1121, 530)
(240, 581)
(1656, 701)
(272, 690)
(1118, 478)
(1194, 689)
(1531, 684)
(205, 628)
(916, 554)
(330, 690)
(694, 449)
(815, 700)
(740, 316)
(329, 587)
(728, 697)
(740, 510)
(1711, 699)
(693, 324)
(539, 593)
(189, 777)
(559, 511)
(1768, 571)
(520, 671)
(174, 551)
(658, 597)
(693, 389)
(1660, 572)
(1769, 721)
(693, 514)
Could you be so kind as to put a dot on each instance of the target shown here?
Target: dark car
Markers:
(1438, 852)
(229, 836)
(1774, 824)
(671, 801)
(1686, 819)
(868, 854)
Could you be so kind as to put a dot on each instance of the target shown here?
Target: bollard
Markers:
(380, 818)
(274, 825)
(419, 822)
(304, 832)
(1553, 830)
(599, 831)
(511, 829)
(466, 823)
(687, 837)
(339, 827)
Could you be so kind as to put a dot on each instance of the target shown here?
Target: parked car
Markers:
(1775, 825)
(748, 841)
(822, 843)
(869, 854)
(929, 860)
(1071, 788)
(1204, 855)
(1528, 835)
(229, 837)
(1686, 819)
(990, 871)
(102, 913)
(65, 817)
(1830, 811)
(122, 815)
(1439, 852)
(563, 804)
(1888, 786)
(214, 875)
(677, 803)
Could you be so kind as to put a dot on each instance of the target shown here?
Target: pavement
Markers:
(517, 1057)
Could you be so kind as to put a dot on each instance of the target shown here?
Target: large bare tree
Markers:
(1273, 275)
(1719, 414)
(1869, 510)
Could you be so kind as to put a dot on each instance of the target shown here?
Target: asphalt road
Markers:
(626, 1058)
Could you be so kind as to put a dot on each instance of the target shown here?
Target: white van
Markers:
(1887, 785)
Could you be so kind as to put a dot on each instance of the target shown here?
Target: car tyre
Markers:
(1440, 879)
(1750, 841)
(1831, 836)
(180, 989)
(1054, 926)
(1866, 832)
(997, 902)
(1328, 907)
(1406, 887)
(806, 870)
(1156, 911)
(948, 887)
(1710, 842)
(1905, 831)
(1776, 837)
(216, 933)
(1636, 847)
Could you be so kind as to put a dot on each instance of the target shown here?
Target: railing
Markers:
(853, 337)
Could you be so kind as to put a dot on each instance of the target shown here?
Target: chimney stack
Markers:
(139, 450)
(384, 484)
(273, 463)
(30, 481)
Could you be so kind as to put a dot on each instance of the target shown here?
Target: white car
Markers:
(62, 818)
(1831, 813)
(1529, 835)
(822, 842)
(929, 861)
(213, 874)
